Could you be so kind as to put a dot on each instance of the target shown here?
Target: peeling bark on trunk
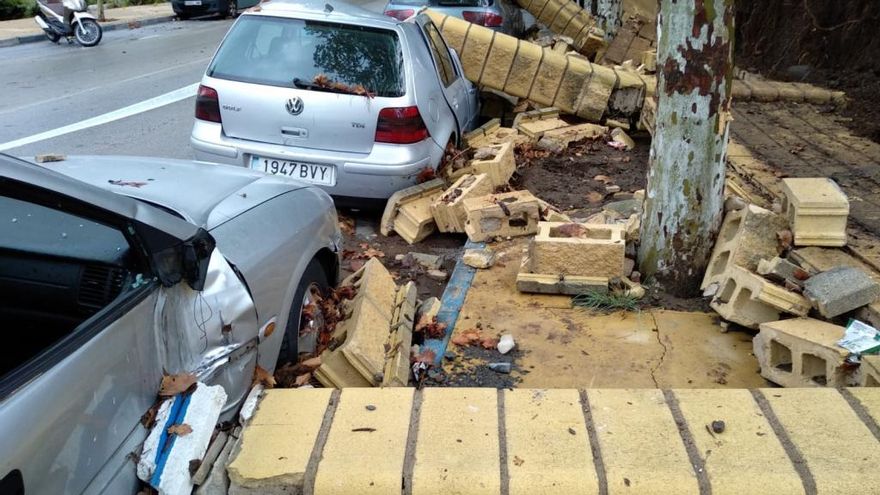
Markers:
(684, 199)
(610, 16)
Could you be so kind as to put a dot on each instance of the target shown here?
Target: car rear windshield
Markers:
(317, 55)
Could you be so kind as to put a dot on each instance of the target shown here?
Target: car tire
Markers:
(182, 16)
(314, 278)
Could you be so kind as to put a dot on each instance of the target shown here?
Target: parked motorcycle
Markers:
(68, 18)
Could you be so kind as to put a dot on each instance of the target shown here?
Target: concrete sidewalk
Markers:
(26, 30)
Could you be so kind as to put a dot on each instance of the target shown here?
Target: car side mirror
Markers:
(196, 257)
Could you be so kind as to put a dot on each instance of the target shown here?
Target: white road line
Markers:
(140, 107)
(104, 86)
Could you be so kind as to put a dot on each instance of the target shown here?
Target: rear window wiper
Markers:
(331, 87)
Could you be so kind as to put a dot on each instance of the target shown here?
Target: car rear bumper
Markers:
(207, 7)
(378, 174)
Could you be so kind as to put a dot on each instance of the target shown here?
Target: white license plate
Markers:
(192, 2)
(313, 173)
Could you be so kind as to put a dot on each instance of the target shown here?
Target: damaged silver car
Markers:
(115, 271)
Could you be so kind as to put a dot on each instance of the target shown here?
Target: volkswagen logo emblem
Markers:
(295, 105)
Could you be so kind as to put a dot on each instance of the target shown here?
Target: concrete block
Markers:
(477, 136)
(802, 352)
(501, 215)
(548, 113)
(165, 460)
(366, 446)
(570, 285)
(457, 449)
(781, 271)
(497, 161)
(749, 300)
(625, 421)
(546, 430)
(836, 445)
(593, 250)
(559, 139)
(478, 258)
(400, 337)
(746, 237)
(448, 209)
(618, 135)
(408, 211)
(358, 356)
(870, 371)
(817, 210)
(841, 289)
(535, 129)
(276, 446)
(649, 60)
(746, 430)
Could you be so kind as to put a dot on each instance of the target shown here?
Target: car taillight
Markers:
(400, 15)
(488, 19)
(208, 105)
(400, 126)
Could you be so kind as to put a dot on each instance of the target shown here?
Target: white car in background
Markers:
(353, 101)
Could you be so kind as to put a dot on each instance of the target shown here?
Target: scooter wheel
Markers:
(53, 37)
(88, 32)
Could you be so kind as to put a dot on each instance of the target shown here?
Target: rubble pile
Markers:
(784, 275)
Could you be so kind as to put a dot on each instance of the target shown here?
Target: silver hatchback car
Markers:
(352, 101)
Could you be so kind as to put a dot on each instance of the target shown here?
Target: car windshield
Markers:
(314, 55)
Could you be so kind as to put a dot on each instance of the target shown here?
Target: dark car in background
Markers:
(501, 15)
(184, 9)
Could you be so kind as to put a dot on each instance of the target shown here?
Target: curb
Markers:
(452, 301)
(31, 38)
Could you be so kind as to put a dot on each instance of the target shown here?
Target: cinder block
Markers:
(358, 357)
(817, 210)
(408, 211)
(475, 137)
(562, 137)
(781, 271)
(749, 300)
(746, 237)
(448, 209)
(761, 90)
(501, 215)
(400, 337)
(275, 447)
(497, 161)
(841, 289)
(568, 249)
(649, 60)
(803, 352)
(870, 371)
(570, 285)
(535, 129)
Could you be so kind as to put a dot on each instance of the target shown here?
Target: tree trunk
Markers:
(101, 11)
(684, 198)
(610, 16)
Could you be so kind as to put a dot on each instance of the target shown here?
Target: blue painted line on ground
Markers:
(452, 301)
(166, 441)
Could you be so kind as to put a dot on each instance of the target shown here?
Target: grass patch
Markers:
(610, 301)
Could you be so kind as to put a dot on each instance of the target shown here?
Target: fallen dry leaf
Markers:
(467, 337)
(518, 461)
(425, 175)
(489, 343)
(426, 356)
(264, 377)
(176, 384)
(603, 179)
(431, 327)
(180, 430)
(346, 225)
(302, 379)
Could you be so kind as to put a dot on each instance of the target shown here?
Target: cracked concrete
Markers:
(570, 347)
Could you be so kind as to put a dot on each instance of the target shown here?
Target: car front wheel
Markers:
(306, 318)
